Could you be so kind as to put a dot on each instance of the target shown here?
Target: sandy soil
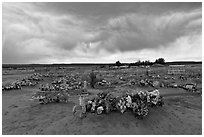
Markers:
(181, 114)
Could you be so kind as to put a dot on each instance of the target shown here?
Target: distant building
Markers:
(176, 69)
(120, 67)
(123, 67)
(115, 67)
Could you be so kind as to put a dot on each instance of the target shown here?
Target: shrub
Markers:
(92, 79)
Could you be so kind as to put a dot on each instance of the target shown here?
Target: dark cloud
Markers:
(135, 32)
(110, 9)
(88, 31)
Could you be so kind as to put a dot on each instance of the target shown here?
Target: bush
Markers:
(118, 63)
(92, 79)
(160, 61)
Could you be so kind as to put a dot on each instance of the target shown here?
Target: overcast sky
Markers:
(101, 32)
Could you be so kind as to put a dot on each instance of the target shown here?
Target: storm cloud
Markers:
(101, 32)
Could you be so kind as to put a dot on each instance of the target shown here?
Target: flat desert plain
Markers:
(181, 113)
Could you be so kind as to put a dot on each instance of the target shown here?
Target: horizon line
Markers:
(82, 63)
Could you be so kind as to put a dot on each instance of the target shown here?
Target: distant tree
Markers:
(138, 63)
(118, 63)
(160, 61)
(146, 62)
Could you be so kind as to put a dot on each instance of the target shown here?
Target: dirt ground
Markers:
(180, 115)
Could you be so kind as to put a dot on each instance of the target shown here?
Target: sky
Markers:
(46, 32)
